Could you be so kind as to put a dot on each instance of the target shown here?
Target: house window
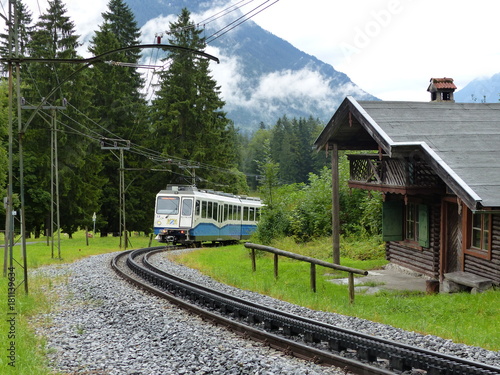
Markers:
(478, 241)
(480, 238)
(405, 222)
(481, 231)
(411, 222)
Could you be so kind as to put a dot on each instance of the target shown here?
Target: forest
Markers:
(104, 123)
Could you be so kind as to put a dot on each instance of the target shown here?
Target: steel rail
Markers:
(401, 357)
(289, 347)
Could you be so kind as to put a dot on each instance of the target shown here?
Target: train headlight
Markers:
(158, 222)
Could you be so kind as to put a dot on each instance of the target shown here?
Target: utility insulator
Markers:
(158, 38)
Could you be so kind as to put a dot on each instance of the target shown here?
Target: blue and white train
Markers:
(186, 215)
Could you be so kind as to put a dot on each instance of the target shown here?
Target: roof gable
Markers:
(460, 140)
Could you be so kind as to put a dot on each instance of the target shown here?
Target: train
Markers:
(188, 216)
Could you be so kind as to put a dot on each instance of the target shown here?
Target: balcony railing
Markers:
(391, 172)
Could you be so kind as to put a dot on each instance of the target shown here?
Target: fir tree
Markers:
(119, 108)
(187, 116)
(24, 27)
(55, 84)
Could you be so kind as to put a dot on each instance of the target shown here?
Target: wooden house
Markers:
(438, 165)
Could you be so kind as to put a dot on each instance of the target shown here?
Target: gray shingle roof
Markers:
(461, 139)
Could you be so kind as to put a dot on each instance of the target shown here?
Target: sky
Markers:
(389, 48)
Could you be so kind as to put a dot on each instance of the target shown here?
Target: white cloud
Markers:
(304, 88)
(284, 84)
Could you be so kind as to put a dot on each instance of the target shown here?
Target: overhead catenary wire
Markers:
(245, 17)
(152, 153)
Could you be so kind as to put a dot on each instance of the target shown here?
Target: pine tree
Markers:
(187, 117)
(119, 108)
(24, 20)
(53, 37)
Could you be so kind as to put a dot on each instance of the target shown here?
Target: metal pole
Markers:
(123, 225)
(54, 190)
(8, 207)
(22, 217)
(52, 185)
(56, 165)
(22, 220)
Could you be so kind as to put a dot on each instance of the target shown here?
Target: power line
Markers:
(245, 17)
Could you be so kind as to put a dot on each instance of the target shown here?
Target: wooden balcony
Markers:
(403, 176)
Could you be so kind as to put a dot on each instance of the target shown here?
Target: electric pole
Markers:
(121, 145)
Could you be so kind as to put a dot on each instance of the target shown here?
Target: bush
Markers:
(304, 211)
(273, 224)
(362, 247)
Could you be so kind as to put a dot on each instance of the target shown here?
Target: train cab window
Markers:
(257, 214)
(204, 209)
(187, 207)
(197, 208)
(167, 205)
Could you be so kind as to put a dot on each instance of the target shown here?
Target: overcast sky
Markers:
(390, 48)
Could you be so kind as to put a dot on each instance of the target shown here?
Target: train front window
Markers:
(167, 205)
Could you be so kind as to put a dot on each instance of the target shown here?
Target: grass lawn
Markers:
(461, 317)
(17, 335)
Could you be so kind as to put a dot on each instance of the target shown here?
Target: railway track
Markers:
(295, 335)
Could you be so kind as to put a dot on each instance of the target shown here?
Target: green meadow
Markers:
(461, 317)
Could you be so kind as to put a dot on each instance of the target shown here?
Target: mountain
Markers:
(479, 90)
(262, 76)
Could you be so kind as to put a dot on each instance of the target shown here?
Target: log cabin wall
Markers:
(484, 267)
(420, 259)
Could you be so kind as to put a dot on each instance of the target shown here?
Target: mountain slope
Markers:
(262, 77)
(480, 90)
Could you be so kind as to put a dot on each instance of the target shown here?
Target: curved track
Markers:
(293, 334)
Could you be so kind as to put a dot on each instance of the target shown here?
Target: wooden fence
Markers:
(313, 262)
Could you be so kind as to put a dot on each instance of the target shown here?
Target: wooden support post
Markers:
(254, 266)
(313, 277)
(351, 288)
(275, 266)
(335, 205)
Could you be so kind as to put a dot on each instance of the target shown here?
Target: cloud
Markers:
(302, 88)
(159, 25)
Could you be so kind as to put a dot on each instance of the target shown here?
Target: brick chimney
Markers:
(442, 89)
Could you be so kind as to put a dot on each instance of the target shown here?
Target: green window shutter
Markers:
(423, 225)
(392, 221)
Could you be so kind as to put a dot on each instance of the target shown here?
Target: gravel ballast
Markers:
(103, 325)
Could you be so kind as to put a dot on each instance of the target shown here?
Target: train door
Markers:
(186, 213)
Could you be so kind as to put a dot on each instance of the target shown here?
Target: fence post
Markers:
(351, 288)
(254, 266)
(313, 277)
(275, 266)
